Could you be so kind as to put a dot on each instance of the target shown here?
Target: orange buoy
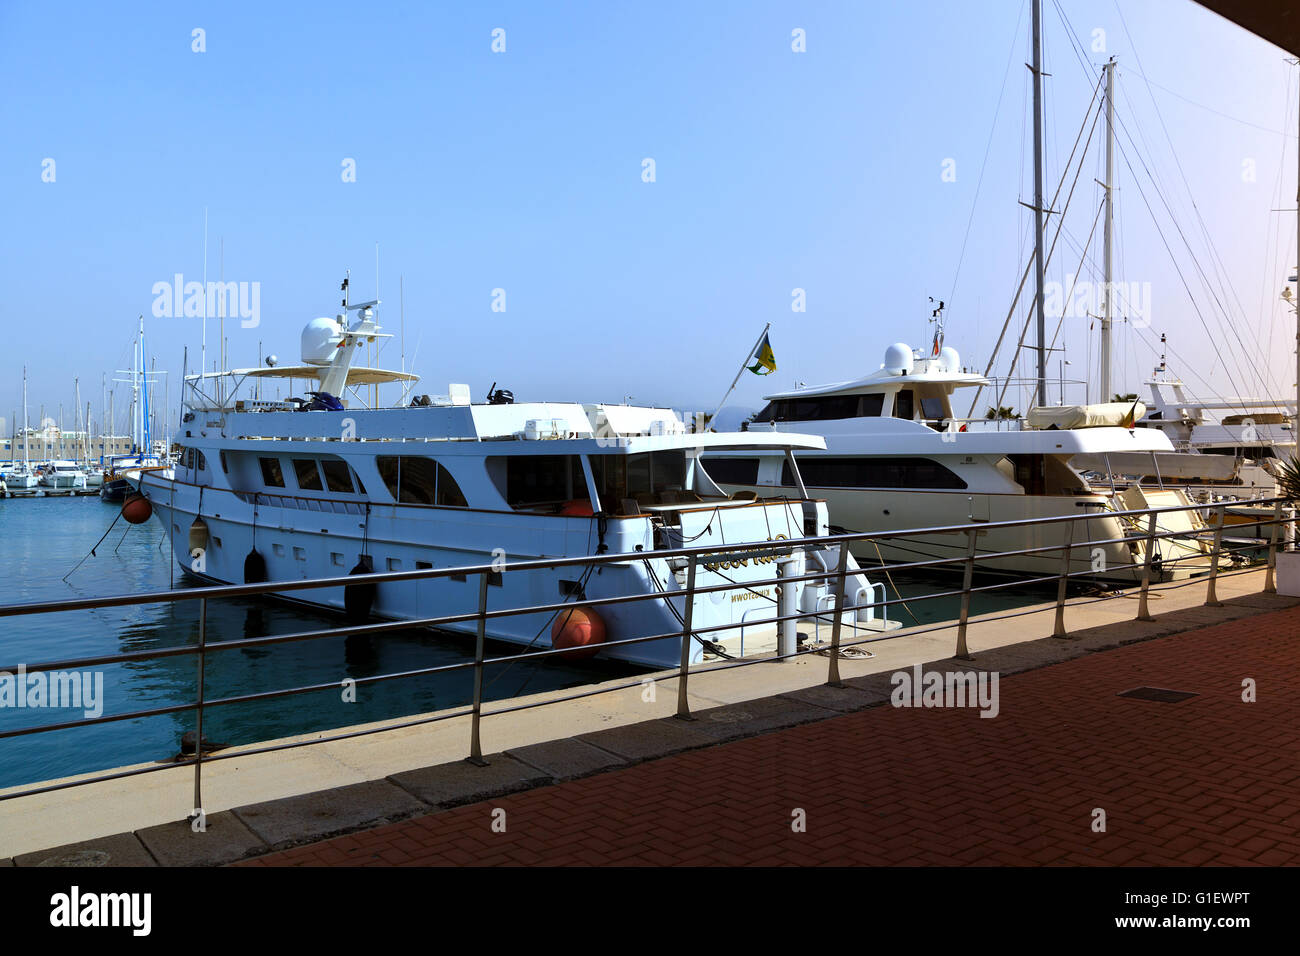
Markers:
(580, 628)
(137, 509)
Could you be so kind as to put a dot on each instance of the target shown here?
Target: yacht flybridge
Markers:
(896, 458)
(318, 486)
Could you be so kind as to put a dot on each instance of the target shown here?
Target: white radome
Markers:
(320, 340)
(898, 359)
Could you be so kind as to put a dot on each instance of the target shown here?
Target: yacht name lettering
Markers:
(730, 563)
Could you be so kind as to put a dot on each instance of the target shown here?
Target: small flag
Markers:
(1130, 420)
(764, 358)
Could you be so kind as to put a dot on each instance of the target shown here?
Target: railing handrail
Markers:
(693, 556)
(532, 564)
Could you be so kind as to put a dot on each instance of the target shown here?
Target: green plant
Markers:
(1288, 477)
(1001, 412)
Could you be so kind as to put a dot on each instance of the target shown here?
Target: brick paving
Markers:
(1211, 780)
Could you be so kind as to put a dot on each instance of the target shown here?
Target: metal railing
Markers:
(1144, 525)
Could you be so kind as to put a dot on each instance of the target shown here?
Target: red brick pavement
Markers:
(1210, 780)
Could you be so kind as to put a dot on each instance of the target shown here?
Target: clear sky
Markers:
(850, 170)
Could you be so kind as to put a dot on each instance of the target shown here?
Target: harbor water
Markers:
(43, 540)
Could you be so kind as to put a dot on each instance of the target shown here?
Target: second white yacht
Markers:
(896, 458)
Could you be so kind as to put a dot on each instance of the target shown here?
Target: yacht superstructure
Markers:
(896, 458)
(283, 490)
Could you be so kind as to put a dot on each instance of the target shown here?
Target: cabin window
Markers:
(645, 477)
(307, 473)
(905, 405)
(338, 476)
(918, 473)
(271, 473)
(872, 405)
(538, 482)
(732, 471)
(419, 481)
(932, 408)
(820, 408)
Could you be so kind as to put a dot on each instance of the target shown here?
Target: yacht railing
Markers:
(1141, 526)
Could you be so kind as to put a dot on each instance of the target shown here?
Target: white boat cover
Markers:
(1084, 416)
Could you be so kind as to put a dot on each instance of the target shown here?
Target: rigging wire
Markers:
(961, 256)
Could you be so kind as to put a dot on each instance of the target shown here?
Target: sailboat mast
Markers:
(26, 432)
(1107, 288)
(1037, 70)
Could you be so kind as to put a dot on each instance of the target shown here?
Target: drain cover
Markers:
(1160, 694)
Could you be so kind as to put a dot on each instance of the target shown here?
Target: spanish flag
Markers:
(764, 358)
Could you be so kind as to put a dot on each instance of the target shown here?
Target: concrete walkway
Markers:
(1068, 773)
(261, 802)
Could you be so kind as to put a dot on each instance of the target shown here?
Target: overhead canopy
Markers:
(1277, 21)
(356, 376)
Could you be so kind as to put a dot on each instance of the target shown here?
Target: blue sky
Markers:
(522, 171)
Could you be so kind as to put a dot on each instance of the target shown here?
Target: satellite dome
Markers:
(898, 359)
(949, 360)
(320, 341)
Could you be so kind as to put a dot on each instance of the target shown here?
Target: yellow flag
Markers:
(764, 358)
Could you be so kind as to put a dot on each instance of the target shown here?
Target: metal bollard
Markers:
(787, 633)
(1059, 629)
(198, 742)
(1270, 578)
(683, 706)
(833, 672)
(962, 652)
(475, 745)
(1143, 613)
(1211, 596)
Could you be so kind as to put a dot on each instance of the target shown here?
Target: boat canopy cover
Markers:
(356, 375)
(1084, 416)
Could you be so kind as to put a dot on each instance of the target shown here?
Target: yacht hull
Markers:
(407, 538)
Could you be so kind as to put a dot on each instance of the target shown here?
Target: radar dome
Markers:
(949, 360)
(898, 359)
(320, 341)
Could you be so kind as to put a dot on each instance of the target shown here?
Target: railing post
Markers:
(1143, 613)
(198, 742)
(475, 745)
(1211, 595)
(841, 576)
(1270, 581)
(683, 707)
(962, 652)
(1059, 629)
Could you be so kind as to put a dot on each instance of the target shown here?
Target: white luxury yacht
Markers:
(63, 475)
(896, 458)
(286, 490)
